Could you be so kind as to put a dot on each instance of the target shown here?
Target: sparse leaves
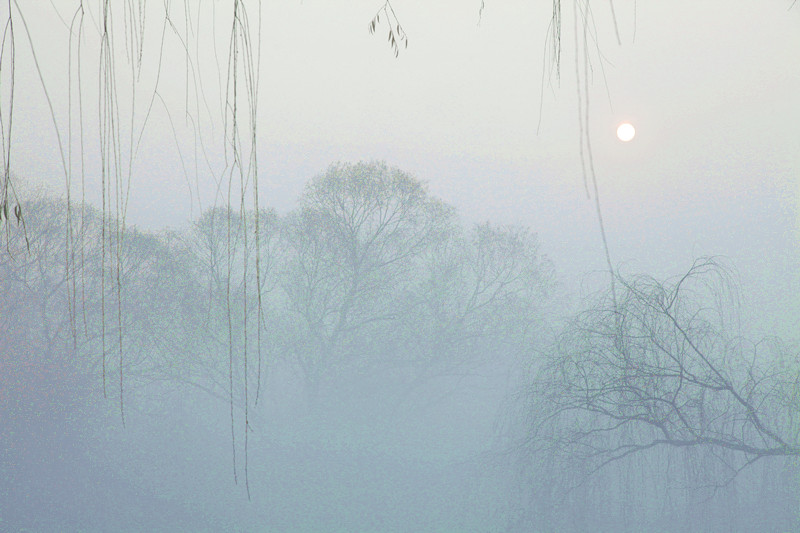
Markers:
(397, 34)
(5, 214)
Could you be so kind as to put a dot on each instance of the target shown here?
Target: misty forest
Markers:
(212, 319)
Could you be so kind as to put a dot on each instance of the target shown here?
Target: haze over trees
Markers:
(352, 286)
(372, 282)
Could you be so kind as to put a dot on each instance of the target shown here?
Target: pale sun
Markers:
(626, 132)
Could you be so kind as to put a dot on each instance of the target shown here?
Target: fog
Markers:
(350, 291)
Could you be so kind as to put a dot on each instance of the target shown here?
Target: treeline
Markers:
(369, 271)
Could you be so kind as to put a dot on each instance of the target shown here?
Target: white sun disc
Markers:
(626, 132)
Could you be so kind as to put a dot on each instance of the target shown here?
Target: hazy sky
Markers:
(712, 87)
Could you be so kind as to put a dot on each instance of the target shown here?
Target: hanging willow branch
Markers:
(396, 32)
(243, 68)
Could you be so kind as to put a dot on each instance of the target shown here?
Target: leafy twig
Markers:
(397, 34)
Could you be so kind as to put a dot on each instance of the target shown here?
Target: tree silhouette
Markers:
(667, 366)
(350, 250)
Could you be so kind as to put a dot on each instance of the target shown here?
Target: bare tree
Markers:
(667, 366)
(350, 251)
(221, 315)
(480, 294)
